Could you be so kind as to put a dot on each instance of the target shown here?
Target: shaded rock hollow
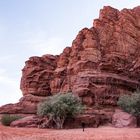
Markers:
(102, 64)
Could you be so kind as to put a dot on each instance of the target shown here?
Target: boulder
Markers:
(29, 121)
(122, 119)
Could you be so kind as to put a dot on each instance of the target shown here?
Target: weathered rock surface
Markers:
(37, 75)
(24, 122)
(91, 118)
(102, 63)
(122, 119)
(29, 121)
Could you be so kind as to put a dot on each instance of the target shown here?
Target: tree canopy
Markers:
(59, 107)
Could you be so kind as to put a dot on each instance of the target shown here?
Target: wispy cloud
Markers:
(52, 45)
(39, 42)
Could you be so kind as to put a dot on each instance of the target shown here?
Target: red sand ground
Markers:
(103, 133)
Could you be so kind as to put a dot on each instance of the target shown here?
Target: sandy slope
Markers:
(106, 133)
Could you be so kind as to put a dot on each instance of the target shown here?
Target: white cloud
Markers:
(39, 42)
(3, 31)
(9, 88)
(7, 58)
(2, 71)
(53, 45)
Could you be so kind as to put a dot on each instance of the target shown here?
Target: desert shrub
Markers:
(59, 107)
(7, 119)
(130, 103)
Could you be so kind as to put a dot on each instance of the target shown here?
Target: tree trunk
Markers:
(59, 122)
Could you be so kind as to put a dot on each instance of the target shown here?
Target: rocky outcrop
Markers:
(122, 119)
(37, 75)
(26, 105)
(102, 63)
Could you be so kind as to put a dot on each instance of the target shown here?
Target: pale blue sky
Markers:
(37, 27)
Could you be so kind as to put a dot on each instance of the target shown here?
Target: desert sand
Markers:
(102, 133)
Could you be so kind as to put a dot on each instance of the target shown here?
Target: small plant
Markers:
(7, 119)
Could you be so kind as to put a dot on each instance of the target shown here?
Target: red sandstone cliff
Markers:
(102, 63)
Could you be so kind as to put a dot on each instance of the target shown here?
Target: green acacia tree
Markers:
(130, 103)
(59, 107)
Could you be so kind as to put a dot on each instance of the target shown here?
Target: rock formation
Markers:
(102, 63)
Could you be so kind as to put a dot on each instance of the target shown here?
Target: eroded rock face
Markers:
(37, 75)
(102, 63)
